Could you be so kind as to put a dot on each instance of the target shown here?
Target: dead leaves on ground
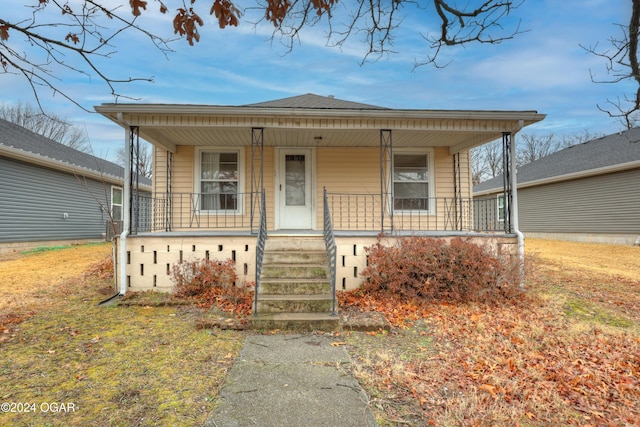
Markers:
(516, 363)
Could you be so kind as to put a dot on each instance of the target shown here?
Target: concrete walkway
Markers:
(291, 380)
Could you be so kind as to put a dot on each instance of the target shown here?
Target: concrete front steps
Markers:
(295, 290)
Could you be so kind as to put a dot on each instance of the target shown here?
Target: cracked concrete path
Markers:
(291, 380)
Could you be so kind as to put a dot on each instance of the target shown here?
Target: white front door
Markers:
(294, 188)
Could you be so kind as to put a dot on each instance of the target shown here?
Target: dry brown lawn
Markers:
(567, 353)
(27, 278)
(597, 258)
(65, 361)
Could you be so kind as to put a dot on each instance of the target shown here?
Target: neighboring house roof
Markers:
(619, 151)
(22, 144)
(313, 101)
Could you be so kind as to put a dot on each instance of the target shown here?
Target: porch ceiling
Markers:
(169, 126)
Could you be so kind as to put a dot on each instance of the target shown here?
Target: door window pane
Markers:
(295, 180)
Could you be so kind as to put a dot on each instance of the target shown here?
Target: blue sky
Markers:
(543, 69)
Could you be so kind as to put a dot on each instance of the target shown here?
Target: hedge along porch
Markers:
(228, 178)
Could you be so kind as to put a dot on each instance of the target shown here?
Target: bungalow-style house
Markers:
(52, 194)
(586, 192)
(275, 182)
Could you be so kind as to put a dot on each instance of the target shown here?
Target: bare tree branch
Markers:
(56, 32)
(486, 160)
(145, 159)
(460, 26)
(48, 125)
(621, 62)
(86, 34)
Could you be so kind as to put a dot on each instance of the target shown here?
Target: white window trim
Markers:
(115, 187)
(241, 176)
(431, 181)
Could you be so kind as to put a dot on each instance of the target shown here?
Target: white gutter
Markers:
(514, 210)
(126, 205)
(530, 116)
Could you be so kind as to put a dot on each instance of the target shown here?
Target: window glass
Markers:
(219, 181)
(411, 182)
(116, 203)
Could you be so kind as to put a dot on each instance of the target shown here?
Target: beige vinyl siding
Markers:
(349, 171)
(466, 187)
(357, 171)
(447, 207)
(445, 174)
(599, 204)
(159, 178)
(184, 185)
(268, 181)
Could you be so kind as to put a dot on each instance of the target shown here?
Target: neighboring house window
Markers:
(501, 207)
(411, 181)
(219, 180)
(116, 203)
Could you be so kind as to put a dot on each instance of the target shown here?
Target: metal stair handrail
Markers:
(260, 244)
(330, 244)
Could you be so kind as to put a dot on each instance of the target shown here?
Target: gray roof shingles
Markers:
(311, 100)
(20, 138)
(610, 150)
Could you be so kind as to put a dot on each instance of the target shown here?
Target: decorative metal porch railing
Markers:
(348, 212)
(363, 212)
(260, 244)
(220, 211)
(330, 244)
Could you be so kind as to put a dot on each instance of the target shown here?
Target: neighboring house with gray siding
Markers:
(53, 193)
(587, 192)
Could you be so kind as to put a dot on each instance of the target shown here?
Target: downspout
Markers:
(514, 207)
(126, 206)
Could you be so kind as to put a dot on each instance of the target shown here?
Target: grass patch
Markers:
(58, 247)
(152, 299)
(44, 249)
(583, 310)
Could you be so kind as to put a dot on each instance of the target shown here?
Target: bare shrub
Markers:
(194, 278)
(431, 268)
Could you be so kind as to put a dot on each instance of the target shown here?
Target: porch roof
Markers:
(314, 121)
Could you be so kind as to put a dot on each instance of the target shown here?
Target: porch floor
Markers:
(316, 233)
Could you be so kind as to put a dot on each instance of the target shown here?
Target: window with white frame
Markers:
(501, 207)
(219, 182)
(411, 181)
(116, 203)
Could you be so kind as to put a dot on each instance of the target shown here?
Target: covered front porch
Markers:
(227, 179)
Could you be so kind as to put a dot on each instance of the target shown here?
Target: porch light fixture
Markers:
(317, 138)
